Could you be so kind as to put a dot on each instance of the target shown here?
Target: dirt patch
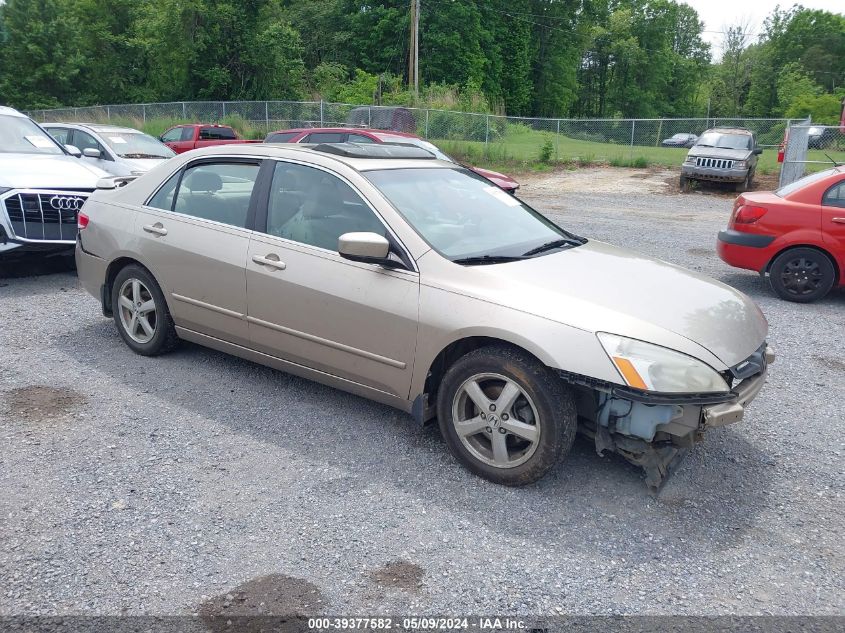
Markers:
(832, 363)
(400, 575)
(268, 603)
(40, 403)
(602, 180)
(700, 252)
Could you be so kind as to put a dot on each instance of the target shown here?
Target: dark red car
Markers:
(359, 135)
(796, 234)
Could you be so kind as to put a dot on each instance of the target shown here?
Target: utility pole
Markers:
(414, 56)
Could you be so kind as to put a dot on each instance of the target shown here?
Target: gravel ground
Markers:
(197, 482)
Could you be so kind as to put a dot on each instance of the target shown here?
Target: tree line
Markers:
(579, 58)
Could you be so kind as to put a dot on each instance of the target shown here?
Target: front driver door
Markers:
(193, 236)
(308, 305)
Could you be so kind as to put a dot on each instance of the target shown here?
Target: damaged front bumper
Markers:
(654, 431)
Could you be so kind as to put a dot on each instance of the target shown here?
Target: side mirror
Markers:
(90, 152)
(74, 150)
(758, 150)
(370, 248)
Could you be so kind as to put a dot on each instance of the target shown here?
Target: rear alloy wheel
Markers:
(505, 416)
(140, 312)
(802, 275)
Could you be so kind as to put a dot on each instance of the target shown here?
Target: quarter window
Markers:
(163, 199)
(216, 134)
(835, 196)
(173, 135)
(60, 134)
(313, 207)
(217, 191)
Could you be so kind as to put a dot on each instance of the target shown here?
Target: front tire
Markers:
(802, 275)
(140, 312)
(505, 416)
(685, 184)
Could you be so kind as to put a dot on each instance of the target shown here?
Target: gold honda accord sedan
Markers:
(385, 272)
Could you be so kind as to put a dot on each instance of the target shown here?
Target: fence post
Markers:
(426, 122)
(321, 113)
(184, 111)
(633, 127)
(108, 112)
(267, 115)
(144, 112)
(557, 141)
(223, 103)
(487, 130)
(369, 116)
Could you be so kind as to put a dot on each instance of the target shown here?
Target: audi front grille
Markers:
(716, 163)
(44, 216)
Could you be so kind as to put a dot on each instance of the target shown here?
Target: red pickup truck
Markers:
(182, 138)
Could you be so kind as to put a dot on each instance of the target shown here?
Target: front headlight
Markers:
(740, 164)
(654, 368)
(689, 160)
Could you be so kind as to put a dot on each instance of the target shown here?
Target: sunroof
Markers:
(373, 150)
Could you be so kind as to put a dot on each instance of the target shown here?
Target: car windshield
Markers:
(135, 145)
(19, 135)
(418, 142)
(803, 182)
(681, 137)
(724, 141)
(463, 217)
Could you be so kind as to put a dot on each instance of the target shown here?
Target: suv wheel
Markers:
(140, 312)
(505, 416)
(802, 275)
(685, 184)
(745, 185)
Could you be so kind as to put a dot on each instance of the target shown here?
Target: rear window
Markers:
(803, 182)
(217, 134)
(280, 137)
(324, 137)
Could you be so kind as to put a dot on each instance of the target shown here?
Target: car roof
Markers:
(96, 127)
(731, 130)
(294, 151)
(345, 130)
(12, 112)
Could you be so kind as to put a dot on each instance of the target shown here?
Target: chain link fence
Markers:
(464, 133)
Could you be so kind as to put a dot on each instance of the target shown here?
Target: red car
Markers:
(358, 135)
(184, 138)
(796, 234)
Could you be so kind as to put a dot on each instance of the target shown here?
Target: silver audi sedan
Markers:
(385, 272)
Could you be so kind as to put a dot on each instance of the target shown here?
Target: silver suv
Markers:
(722, 155)
(42, 187)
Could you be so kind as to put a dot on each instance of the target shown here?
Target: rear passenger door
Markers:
(193, 236)
(833, 218)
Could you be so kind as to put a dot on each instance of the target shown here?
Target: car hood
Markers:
(601, 288)
(47, 171)
(505, 182)
(720, 152)
(142, 164)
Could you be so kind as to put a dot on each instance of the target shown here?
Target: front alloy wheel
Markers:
(140, 312)
(504, 415)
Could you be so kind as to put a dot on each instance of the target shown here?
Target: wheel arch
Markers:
(426, 396)
(114, 267)
(837, 267)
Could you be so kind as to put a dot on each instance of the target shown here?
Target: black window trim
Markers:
(262, 211)
(255, 196)
(839, 183)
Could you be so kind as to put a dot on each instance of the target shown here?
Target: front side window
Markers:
(217, 191)
(216, 134)
(360, 138)
(313, 207)
(835, 196)
(463, 216)
(19, 135)
(84, 141)
(280, 137)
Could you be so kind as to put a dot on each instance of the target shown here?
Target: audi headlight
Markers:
(654, 368)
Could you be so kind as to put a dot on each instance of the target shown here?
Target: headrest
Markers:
(204, 181)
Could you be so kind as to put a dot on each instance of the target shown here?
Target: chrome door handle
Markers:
(155, 229)
(271, 261)
(838, 220)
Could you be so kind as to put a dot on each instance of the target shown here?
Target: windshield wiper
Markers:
(552, 245)
(487, 259)
(141, 156)
(702, 145)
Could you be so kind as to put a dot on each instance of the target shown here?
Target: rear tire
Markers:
(802, 275)
(505, 416)
(140, 312)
